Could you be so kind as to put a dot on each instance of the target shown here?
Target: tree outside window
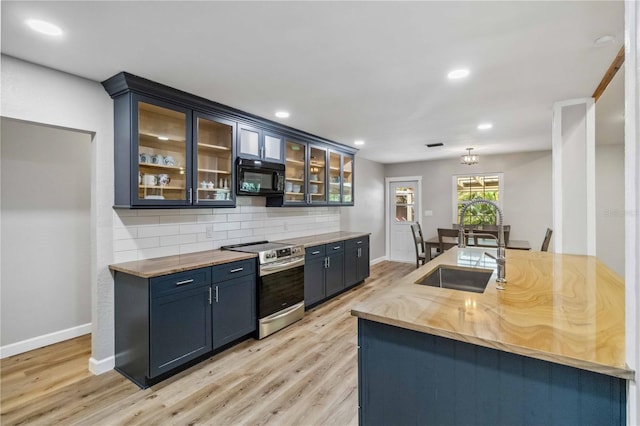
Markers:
(472, 187)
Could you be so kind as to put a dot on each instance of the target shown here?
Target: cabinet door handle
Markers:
(359, 242)
(359, 252)
(190, 195)
(337, 248)
(236, 270)
(210, 295)
(185, 282)
(328, 262)
(315, 252)
(216, 294)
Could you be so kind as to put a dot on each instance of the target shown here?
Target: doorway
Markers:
(46, 235)
(403, 209)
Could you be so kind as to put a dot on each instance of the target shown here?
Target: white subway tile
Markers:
(135, 243)
(125, 233)
(125, 256)
(210, 218)
(239, 217)
(253, 224)
(220, 235)
(139, 220)
(157, 212)
(194, 247)
(157, 231)
(193, 229)
(196, 211)
(178, 219)
(124, 212)
(150, 253)
(240, 233)
(171, 240)
(229, 226)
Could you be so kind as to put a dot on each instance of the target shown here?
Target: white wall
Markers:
(368, 215)
(41, 95)
(46, 278)
(610, 206)
(526, 198)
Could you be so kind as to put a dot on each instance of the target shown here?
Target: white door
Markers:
(403, 212)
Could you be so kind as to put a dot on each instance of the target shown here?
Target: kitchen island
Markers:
(549, 349)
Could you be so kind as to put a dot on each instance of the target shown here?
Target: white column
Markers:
(632, 206)
(574, 189)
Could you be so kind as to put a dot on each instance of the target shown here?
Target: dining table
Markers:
(434, 243)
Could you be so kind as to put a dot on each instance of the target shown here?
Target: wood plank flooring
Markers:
(305, 374)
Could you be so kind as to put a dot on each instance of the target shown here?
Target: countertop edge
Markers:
(622, 373)
(327, 238)
(233, 257)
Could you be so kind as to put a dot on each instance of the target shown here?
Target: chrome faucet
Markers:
(500, 258)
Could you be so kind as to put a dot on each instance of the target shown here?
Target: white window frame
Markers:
(454, 191)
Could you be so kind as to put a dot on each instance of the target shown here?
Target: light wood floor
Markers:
(305, 374)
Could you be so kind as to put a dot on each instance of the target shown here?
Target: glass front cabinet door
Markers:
(214, 160)
(317, 166)
(161, 154)
(295, 179)
(340, 178)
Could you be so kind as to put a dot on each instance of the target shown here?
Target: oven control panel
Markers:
(269, 256)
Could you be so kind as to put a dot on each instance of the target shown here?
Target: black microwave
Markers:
(256, 177)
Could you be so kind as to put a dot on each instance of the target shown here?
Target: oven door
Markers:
(280, 286)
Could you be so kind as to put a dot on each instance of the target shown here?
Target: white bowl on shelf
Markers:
(313, 189)
(295, 188)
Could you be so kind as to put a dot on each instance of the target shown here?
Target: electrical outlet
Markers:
(209, 231)
(428, 212)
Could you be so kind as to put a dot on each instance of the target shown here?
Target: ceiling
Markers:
(375, 71)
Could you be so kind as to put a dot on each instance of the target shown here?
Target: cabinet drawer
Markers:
(336, 247)
(357, 242)
(167, 284)
(313, 252)
(231, 270)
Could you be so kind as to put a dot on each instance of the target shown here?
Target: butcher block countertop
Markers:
(156, 267)
(331, 237)
(566, 309)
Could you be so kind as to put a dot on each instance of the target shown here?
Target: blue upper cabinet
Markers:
(257, 144)
(176, 150)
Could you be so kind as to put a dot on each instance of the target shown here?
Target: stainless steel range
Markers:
(280, 284)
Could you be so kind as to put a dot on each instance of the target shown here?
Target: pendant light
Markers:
(469, 158)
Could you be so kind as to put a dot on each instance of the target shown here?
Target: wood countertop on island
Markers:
(566, 309)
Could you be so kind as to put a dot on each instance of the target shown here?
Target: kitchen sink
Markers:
(457, 278)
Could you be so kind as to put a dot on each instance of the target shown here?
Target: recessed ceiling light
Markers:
(604, 40)
(457, 74)
(484, 126)
(44, 27)
(282, 114)
(358, 142)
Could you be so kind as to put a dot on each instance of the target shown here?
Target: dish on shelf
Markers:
(154, 197)
(144, 158)
(170, 161)
(295, 188)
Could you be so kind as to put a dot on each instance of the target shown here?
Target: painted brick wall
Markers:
(143, 234)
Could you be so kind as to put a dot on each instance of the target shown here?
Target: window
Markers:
(405, 204)
(471, 187)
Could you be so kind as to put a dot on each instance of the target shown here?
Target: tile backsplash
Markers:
(143, 234)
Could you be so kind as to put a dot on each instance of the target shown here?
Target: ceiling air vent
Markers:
(433, 145)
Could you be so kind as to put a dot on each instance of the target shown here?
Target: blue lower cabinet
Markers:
(166, 323)
(234, 308)
(410, 378)
(180, 329)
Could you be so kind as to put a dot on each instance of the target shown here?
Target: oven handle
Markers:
(279, 267)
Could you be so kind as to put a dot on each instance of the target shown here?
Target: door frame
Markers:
(387, 205)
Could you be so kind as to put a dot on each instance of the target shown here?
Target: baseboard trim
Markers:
(102, 366)
(378, 260)
(44, 340)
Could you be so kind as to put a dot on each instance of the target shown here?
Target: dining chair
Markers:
(447, 233)
(547, 240)
(421, 256)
